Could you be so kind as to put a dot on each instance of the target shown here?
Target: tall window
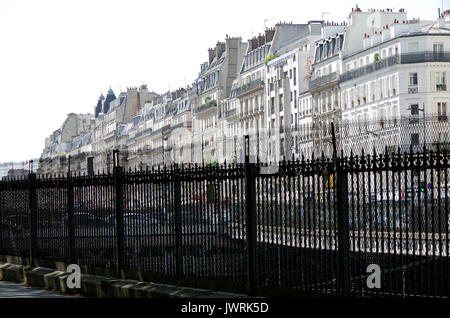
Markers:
(441, 81)
(438, 48)
(345, 99)
(295, 76)
(281, 102)
(442, 111)
(414, 139)
(414, 110)
(412, 79)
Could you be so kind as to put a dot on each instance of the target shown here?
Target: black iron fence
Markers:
(311, 227)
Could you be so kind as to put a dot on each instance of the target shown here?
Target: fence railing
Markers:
(312, 226)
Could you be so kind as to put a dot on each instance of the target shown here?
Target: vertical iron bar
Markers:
(343, 226)
(118, 171)
(32, 215)
(1, 221)
(178, 228)
(70, 226)
(250, 209)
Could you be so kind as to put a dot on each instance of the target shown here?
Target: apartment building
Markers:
(243, 112)
(210, 89)
(394, 84)
(287, 78)
(380, 77)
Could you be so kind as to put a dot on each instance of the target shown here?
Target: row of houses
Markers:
(380, 77)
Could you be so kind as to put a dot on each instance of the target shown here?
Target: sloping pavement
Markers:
(14, 290)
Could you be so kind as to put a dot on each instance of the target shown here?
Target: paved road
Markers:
(13, 290)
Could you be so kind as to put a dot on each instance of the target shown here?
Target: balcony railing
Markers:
(413, 90)
(181, 125)
(441, 87)
(370, 68)
(442, 118)
(323, 80)
(253, 85)
(230, 112)
(205, 107)
(406, 58)
(425, 56)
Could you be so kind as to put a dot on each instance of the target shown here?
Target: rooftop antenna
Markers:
(323, 15)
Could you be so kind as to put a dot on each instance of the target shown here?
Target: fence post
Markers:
(70, 225)
(178, 225)
(250, 213)
(1, 220)
(118, 186)
(341, 181)
(32, 215)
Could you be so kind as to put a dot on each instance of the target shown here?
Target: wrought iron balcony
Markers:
(413, 90)
(406, 58)
(181, 125)
(442, 118)
(204, 107)
(253, 85)
(370, 68)
(230, 112)
(323, 80)
(441, 87)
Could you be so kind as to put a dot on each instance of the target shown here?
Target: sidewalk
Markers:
(14, 290)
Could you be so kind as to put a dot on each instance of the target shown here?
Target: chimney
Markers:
(254, 42)
(261, 40)
(220, 48)
(211, 55)
(269, 34)
(250, 45)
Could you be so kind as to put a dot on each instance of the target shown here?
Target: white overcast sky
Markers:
(57, 56)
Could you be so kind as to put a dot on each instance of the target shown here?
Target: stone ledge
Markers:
(101, 286)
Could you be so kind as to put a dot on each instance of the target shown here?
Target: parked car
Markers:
(133, 219)
(84, 219)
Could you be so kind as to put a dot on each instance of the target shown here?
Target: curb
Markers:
(101, 286)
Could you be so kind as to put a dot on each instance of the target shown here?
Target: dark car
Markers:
(84, 219)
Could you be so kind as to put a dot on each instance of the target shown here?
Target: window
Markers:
(440, 81)
(295, 76)
(345, 99)
(329, 100)
(414, 139)
(438, 48)
(414, 110)
(412, 79)
(442, 111)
